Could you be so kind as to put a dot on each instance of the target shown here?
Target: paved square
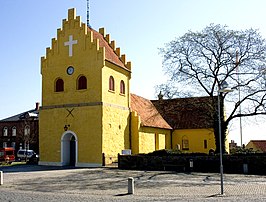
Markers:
(40, 183)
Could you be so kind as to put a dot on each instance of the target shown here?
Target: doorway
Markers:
(69, 149)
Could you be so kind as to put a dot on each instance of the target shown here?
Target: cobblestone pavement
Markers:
(40, 183)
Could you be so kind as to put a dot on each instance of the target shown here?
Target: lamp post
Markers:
(221, 89)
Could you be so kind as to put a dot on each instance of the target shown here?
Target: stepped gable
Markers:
(187, 113)
(112, 54)
(149, 115)
(93, 39)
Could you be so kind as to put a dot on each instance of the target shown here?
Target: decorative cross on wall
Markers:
(70, 44)
(70, 112)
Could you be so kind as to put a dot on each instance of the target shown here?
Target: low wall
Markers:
(238, 164)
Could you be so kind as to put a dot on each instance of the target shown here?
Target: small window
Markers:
(59, 85)
(185, 143)
(5, 131)
(205, 144)
(111, 83)
(4, 144)
(14, 131)
(122, 87)
(82, 83)
(27, 130)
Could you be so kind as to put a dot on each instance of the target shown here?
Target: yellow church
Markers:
(87, 108)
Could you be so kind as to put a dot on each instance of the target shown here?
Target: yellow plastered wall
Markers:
(89, 141)
(134, 133)
(116, 112)
(146, 142)
(147, 139)
(195, 138)
(115, 130)
(119, 74)
(160, 141)
(151, 139)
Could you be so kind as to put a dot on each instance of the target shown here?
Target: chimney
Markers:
(37, 106)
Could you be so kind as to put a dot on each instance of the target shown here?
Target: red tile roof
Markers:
(148, 113)
(110, 55)
(187, 113)
(260, 144)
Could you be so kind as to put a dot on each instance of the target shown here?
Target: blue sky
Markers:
(139, 27)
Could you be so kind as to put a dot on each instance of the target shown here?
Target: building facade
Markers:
(21, 131)
(85, 97)
(88, 110)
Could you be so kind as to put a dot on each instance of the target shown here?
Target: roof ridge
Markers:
(183, 98)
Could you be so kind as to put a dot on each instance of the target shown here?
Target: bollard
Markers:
(245, 168)
(1, 178)
(191, 164)
(130, 185)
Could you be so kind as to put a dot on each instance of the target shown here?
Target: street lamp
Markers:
(221, 89)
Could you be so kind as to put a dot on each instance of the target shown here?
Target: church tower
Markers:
(85, 97)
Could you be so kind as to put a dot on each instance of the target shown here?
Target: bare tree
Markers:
(197, 63)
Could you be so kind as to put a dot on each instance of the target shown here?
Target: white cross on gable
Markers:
(70, 44)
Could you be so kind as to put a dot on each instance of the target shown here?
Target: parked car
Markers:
(34, 159)
(22, 153)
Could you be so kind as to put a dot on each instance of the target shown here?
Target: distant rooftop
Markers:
(260, 144)
(33, 113)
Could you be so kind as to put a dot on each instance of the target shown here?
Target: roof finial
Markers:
(88, 13)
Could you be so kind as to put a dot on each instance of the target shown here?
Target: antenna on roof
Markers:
(88, 13)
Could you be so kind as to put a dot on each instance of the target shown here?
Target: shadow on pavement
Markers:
(32, 168)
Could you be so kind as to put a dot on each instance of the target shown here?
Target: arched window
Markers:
(27, 130)
(5, 131)
(111, 83)
(185, 143)
(14, 131)
(59, 85)
(122, 87)
(82, 83)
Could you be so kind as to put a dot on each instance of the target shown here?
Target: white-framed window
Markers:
(5, 131)
(13, 144)
(4, 144)
(27, 130)
(14, 131)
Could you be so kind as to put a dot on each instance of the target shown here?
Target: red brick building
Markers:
(21, 130)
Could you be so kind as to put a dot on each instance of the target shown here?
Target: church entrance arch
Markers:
(69, 149)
